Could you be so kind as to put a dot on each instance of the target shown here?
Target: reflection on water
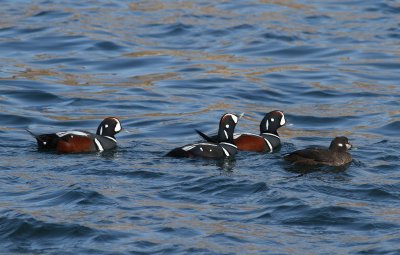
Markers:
(166, 68)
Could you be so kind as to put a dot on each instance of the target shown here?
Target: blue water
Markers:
(167, 67)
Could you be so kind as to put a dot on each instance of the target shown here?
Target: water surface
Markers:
(167, 67)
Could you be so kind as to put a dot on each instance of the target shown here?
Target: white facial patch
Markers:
(235, 119)
(267, 125)
(283, 121)
(272, 119)
(106, 125)
(201, 148)
(227, 126)
(226, 134)
(340, 144)
(348, 146)
(118, 126)
(101, 130)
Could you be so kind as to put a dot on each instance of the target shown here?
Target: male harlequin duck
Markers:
(335, 155)
(266, 141)
(222, 148)
(81, 141)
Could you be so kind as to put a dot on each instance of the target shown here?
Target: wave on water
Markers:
(166, 68)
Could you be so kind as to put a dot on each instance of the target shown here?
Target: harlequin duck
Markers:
(223, 146)
(335, 155)
(81, 141)
(267, 140)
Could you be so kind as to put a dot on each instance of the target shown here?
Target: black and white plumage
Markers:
(223, 147)
(266, 141)
(81, 141)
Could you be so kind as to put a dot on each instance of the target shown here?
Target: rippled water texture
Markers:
(168, 67)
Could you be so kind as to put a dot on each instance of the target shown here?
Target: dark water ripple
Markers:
(167, 68)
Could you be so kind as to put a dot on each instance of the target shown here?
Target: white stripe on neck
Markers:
(225, 152)
(109, 137)
(277, 136)
(99, 147)
(269, 145)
